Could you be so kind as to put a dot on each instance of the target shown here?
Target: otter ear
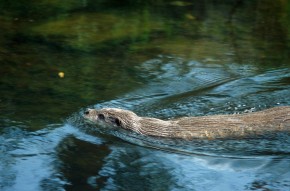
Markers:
(115, 121)
(118, 122)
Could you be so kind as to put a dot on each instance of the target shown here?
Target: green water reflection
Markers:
(97, 45)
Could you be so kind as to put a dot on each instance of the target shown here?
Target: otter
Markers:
(261, 123)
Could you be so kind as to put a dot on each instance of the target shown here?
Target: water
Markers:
(162, 59)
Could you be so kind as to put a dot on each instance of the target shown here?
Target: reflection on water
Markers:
(32, 157)
(160, 58)
(64, 157)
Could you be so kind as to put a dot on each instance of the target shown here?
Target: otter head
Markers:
(113, 117)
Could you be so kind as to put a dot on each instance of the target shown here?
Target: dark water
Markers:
(157, 58)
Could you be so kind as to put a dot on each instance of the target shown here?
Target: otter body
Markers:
(207, 127)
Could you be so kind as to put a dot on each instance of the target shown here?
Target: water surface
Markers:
(162, 59)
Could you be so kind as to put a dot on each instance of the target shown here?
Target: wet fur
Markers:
(210, 127)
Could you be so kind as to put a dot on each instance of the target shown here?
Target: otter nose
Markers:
(87, 112)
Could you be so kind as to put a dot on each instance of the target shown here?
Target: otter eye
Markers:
(118, 122)
(101, 116)
(87, 112)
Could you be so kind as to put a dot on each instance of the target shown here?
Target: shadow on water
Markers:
(161, 59)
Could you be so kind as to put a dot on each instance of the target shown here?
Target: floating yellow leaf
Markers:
(61, 74)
